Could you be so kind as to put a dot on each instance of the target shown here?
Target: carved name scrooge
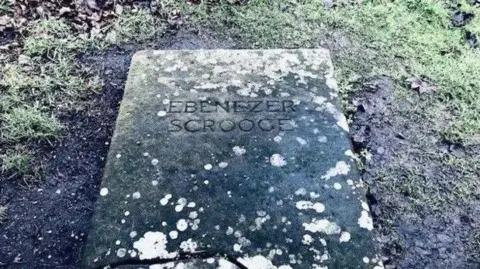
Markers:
(260, 115)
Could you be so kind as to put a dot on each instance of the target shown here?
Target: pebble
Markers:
(328, 3)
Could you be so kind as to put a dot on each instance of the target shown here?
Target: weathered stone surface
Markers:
(231, 155)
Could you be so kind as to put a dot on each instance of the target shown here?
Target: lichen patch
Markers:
(278, 160)
(365, 221)
(341, 168)
(304, 205)
(322, 226)
(153, 245)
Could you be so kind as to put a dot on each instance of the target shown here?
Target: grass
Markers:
(46, 81)
(6, 7)
(404, 39)
(17, 162)
(3, 214)
(23, 123)
(135, 27)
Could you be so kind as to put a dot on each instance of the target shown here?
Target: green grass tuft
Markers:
(6, 7)
(16, 163)
(399, 38)
(24, 123)
(52, 37)
(135, 27)
(3, 213)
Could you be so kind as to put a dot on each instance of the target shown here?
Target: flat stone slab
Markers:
(231, 159)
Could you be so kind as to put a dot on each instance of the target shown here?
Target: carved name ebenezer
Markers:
(264, 115)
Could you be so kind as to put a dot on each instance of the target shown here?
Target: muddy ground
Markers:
(48, 221)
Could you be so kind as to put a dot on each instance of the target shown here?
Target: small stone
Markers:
(328, 3)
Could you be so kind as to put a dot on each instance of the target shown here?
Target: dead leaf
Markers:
(92, 4)
(118, 9)
(421, 85)
(5, 20)
(64, 10)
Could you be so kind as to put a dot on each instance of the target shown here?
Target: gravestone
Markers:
(231, 159)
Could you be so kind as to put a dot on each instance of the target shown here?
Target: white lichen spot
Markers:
(103, 191)
(342, 122)
(260, 262)
(181, 203)
(153, 245)
(301, 141)
(127, 213)
(301, 191)
(121, 252)
(277, 139)
(322, 139)
(365, 221)
(341, 168)
(119, 156)
(136, 195)
(154, 161)
(365, 206)
(166, 101)
(277, 160)
(366, 260)
(118, 242)
(322, 226)
(154, 182)
(193, 215)
(337, 186)
(189, 245)
(173, 234)
(237, 248)
(345, 237)
(162, 113)
(350, 154)
(304, 205)
(223, 164)
(307, 239)
(191, 204)
(182, 225)
(133, 234)
(237, 150)
(133, 254)
(208, 166)
(350, 182)
(164, 200)
(319, 100)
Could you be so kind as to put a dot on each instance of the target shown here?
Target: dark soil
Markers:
(403, 142)
(48, 221)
